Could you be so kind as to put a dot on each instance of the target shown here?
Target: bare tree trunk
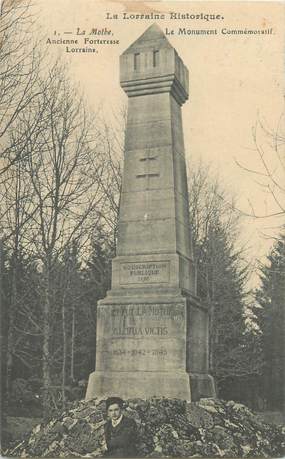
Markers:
(283, 361)
(64, 356)
(211, 325)
(3, 311)
(9, 356)
(11, 333)
(14, 287)
(72, 345)
(46, 362)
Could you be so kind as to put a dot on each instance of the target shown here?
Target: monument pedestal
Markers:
(142, 384)
(150, 349)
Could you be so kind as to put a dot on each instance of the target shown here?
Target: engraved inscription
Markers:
(143, 331)
(141, 336)
(135, 312)
(150, 272)
(159, 352)
(141, 321)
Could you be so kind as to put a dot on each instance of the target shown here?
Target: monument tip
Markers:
(152, 37)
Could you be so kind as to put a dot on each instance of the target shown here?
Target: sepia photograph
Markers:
(142, 228)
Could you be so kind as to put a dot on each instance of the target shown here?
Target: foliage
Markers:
(270, 297)
(221, 277)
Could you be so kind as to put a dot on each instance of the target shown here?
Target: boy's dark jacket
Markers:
(121, 440)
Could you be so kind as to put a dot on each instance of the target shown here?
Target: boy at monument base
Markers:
(120, 431)
(152, 329)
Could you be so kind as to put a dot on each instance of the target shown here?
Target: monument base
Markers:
(202, 386)
(143, 384)
(154, 348)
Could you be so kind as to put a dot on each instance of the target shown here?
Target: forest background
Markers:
(61, 172)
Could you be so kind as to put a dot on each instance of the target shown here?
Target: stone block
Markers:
(148, 270)
(141, 337)
(143, 384)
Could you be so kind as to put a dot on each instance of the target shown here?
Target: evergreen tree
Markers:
(271, 298)
(21, 332)
(97, 278)
(221, 278)
(221, 283)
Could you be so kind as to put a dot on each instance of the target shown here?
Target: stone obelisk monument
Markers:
(152, 330)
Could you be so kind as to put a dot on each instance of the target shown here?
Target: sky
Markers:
(235, 79)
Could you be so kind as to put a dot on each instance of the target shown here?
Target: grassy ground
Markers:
(17, 427)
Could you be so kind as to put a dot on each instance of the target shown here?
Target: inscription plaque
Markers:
(149, 272)
(151, 333)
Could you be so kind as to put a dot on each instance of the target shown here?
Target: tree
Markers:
(271, 297)
(110, 147)
(222, 275)
(269, 145)
(15, 204)
(57, 159)
(97, 276)
(3, 341)
(20, 63)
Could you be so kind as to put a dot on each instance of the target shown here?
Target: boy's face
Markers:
(114, 411)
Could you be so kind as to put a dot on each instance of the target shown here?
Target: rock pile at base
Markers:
(167, 427)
